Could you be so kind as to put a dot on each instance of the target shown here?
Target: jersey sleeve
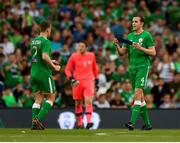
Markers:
(69, 67)
(150, 41)
(46, 47)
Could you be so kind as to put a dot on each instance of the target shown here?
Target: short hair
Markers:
(141, 18)
(84, 42)
(44, 25)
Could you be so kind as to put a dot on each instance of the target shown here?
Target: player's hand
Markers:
(137, 46)
(57, 67)
(115, 41)
(74, 82)
(55, 62)
(96, 84)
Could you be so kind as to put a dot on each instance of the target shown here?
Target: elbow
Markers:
(44, 56)
(154, 53)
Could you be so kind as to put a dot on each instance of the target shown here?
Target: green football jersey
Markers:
(138, 58)
(39, 67)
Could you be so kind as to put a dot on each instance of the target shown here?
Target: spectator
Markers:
(120, 75)
(116, 102)
(11, 71)
(8, 98)
(149, 101)
(56, 44)
(18, 91)
(26, 100)
(64, 52)
(24, 44)
(159, 90)
(171, 45)
(8, 46)
(102, 102)
(27, 21)
(166, 69)
(166, 102)
(177, 64)
(127, 93)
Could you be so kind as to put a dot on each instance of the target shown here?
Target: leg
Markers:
(141, 83)
(135, 109)
(46, 106)
(89, 90)
(88, 111)
(144, 114)
(132, 74)
(38, 96)
(48, 88)
(37, 104)
(36, 108)
(77, 96)
(78, 112)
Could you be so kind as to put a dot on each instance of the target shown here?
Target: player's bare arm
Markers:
(47, 59)
(120, 49)
(149, 51)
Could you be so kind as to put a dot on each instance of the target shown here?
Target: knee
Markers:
(78, 103)
(88, 101)
(51, 97)
(39, 99)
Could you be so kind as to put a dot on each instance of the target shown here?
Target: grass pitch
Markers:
(103, 135)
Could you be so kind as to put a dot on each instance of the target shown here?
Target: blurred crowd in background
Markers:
(94, 21)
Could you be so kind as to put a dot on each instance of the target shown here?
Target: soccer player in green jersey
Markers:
(139, 62)
(41, 75)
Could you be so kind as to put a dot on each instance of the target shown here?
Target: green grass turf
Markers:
(104, 135)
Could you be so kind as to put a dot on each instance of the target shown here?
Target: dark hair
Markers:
(84, 42)
(44, 25)
(141, 18)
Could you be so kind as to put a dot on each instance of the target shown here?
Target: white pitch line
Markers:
(101, 134)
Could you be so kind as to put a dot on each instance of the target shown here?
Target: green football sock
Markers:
(35, 110)
(135, 113)
(144, 115)
(44, 110)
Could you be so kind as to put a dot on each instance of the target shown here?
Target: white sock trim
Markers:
(137, 102)
(35, 105)
(143, 103)
(50, 102)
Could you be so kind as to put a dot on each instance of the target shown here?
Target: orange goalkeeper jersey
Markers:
(82, 67)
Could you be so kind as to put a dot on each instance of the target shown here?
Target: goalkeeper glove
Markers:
(73, 81)
(96, 84)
